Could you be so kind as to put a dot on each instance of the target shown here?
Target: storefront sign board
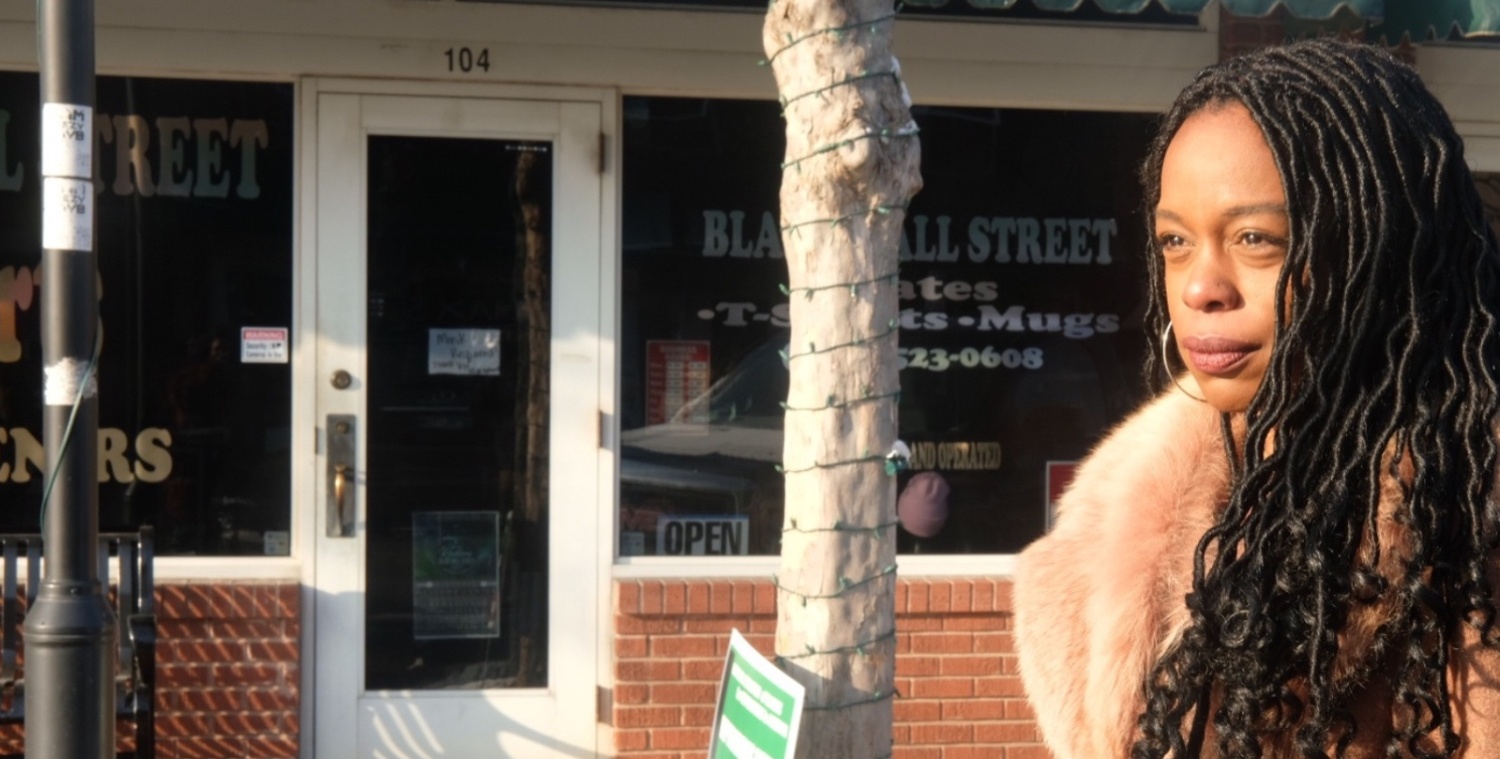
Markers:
(760, 707)
(455, 557)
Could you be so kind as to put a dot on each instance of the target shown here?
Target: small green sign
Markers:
(760, 707)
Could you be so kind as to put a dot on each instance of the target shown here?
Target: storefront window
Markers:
(194, 237)
(1022, 296)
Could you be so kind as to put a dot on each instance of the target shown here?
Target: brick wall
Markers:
(955, 666)
(228, 670)
(227, 673)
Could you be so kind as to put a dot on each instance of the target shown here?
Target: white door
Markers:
(458, 369)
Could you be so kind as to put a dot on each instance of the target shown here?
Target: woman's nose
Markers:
(1210, 284)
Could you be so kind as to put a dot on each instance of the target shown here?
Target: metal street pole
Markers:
(69, 631)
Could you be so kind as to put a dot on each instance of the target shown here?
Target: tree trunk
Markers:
(852, 161)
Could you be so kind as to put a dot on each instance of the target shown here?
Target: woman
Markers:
(1290, 552)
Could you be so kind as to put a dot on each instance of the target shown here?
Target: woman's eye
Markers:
(1260, 238)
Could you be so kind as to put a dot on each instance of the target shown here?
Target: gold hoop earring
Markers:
(1166, 363)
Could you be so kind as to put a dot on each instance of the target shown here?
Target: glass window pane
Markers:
(459, 306)
(194, 216)
(1022, 294)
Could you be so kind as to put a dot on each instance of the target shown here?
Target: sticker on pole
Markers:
(760, 707)
(264, 345)
(67, 144)
(67, 214)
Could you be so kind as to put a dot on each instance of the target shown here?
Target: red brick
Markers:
(651, 597)
(273, 651)
(703, 670)
(972, 666)
(712, 625)
(974, 710)
(722, 597)
(684, 646)
(929, 733)
(901, 591)
(253, 629)
(647, 671)
(184, 601)
(628, 597)
(999, 686)
(245, 724)
(916, 598)
(972, 752)
(975, 623)
(684, 693)
(205, 748)
(916, 752)
(1002, 597)
(648, 716)
(245, 674)
(288, 599)
(680, 738)
(963, 596)
(211, 699)
(632, 647)
(942, 643)
(743, 597)
(1005, 732)
(909, 710)
(181, 676)
(920, 623)
(765, 598)
(941, 688)
(626, 625)
(271, 747)
(763, 624)
(765, 644)
(994, 643)
(182, 725)
(632, 693)
(698, 597)
(698, 716)
(180, 629)
(233, 601)
(984, 595)
(632, 740)
(200, 652)
(917, 666)
(939, 597)
(903, 643)
(901, 734)
(1019, 709)
(268, 698)
(674, 597)
(1027, 752)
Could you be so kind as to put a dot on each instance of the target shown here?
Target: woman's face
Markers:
(1222, 229)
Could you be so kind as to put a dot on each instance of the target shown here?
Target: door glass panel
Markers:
(459, 296)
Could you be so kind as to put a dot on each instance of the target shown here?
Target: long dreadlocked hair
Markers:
(1385, 359)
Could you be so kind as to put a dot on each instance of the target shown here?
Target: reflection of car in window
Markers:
(989, 433)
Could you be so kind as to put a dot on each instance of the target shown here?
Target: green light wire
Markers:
(88, 374)
(792, 42)
(894, 277)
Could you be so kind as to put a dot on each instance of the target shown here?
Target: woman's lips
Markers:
(1217, 355)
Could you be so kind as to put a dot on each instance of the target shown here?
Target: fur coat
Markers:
(1099, 598)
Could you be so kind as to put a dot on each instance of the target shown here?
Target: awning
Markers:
(1390, 19)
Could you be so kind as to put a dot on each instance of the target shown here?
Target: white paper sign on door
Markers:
(463, 351)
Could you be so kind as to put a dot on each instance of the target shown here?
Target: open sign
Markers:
(703, 536)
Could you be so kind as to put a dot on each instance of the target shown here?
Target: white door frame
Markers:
(335, 117)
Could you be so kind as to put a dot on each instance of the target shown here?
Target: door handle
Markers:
(340, 501)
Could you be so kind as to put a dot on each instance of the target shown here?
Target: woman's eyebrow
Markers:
(1247, 210)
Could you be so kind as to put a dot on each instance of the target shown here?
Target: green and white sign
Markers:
(760, 707)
